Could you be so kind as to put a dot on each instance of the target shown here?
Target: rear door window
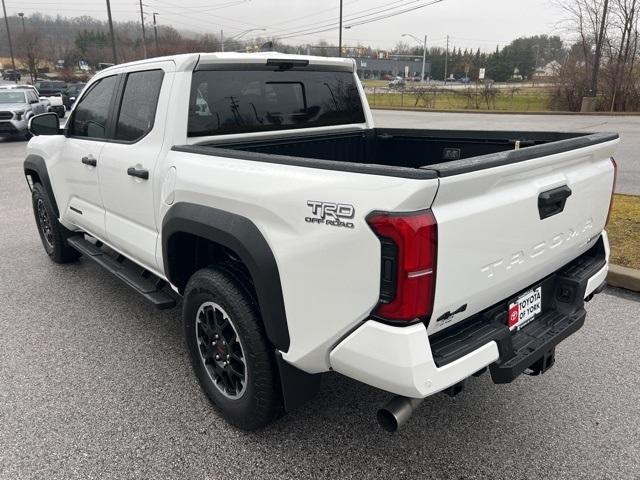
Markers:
(224, 102)
(138, 106)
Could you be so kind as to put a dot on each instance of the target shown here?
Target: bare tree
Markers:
(623, 52)
(31, 50)
(600, 19)
(588, 19)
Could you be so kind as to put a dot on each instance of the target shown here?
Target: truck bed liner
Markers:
(405, 153)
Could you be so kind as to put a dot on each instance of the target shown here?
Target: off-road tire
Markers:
(260, 400)
(52, 233)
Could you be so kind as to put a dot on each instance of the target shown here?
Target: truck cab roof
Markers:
(204, 61)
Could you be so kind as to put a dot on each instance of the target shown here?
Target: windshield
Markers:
(75, 89)
(12, 97)
(50, 85)
(224, 102)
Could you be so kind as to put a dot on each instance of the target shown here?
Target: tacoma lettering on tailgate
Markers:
(503, 265)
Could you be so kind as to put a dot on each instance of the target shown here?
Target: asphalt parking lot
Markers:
(95, 384)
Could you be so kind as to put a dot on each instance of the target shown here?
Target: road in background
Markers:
(96, 384)
(628, 126)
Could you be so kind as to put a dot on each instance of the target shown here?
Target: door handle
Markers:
(552, 201)
(140, 173)
(92, 162)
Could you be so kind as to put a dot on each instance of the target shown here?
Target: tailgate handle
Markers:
(552, 201)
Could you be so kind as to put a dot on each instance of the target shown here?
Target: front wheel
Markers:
(52, 233)
(230, 353)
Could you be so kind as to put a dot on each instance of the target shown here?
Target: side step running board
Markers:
(142, 281)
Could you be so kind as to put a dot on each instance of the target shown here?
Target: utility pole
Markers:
(6, 21)
(144, 38)
(340, 33)
(113, 37)
(155, 32)
(446, 61)
(221, 40)
(424, 58)
(424, 51)
(21, 15)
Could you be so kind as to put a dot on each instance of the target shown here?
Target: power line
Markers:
(382, 14)
(353, 16)
(170, 4)
(307, 15)
(197, 23)
(393, 14)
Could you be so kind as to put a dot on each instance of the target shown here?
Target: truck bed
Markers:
(444, 152)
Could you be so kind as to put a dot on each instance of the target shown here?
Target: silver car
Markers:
(17, 106)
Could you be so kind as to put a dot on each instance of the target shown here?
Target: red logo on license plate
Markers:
(514, 314)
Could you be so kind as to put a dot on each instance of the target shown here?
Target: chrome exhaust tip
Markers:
(396, 412)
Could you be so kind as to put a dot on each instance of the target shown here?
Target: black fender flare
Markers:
(37, 165)
(240, 235)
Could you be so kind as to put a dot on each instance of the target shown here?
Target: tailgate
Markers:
(492, 242)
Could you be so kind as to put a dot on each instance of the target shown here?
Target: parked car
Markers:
(303, 239)
(70, 93)
(397, 82)
(52, 90)
(17, 106)
(12, 75)
(46, 104)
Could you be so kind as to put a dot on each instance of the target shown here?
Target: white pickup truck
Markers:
(302, 239)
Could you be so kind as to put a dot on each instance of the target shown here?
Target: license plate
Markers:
(525, 308)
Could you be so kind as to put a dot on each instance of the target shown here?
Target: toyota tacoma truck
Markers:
(17, 106)
(299, 238)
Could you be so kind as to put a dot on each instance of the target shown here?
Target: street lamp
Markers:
(424, 51)
(6, 21)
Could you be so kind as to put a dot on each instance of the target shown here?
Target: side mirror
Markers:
(34, 101)
(45, 124)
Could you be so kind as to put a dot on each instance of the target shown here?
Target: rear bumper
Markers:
(405, 361)
(399, 360)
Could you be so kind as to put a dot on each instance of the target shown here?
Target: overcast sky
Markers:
(469, 23)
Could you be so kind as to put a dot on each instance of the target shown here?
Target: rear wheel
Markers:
(52, 233)
(229, 351)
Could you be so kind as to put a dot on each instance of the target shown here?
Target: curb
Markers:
(508, 112)
(624, 277)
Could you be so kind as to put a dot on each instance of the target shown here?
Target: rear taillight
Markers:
(408, 270)
(613, 189)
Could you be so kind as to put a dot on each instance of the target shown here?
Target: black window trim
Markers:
(108, 131)
(118, 106)
(114, 108)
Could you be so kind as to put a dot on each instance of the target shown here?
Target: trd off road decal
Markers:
(332, 214)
